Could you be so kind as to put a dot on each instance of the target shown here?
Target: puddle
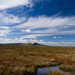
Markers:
(47, 70)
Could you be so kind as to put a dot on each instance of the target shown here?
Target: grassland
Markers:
(58, 73)
(25, 59)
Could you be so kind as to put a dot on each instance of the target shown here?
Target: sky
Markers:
(48, 22)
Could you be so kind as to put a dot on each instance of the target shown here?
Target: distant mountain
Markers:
(32, 44)
(28, 44)
(36, 44)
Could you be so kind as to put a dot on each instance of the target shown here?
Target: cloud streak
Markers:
(5, 4)
(48, 25)
(7, 19)
(4, 32)
(44, 22)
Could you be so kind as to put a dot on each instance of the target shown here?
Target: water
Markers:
(47, 70)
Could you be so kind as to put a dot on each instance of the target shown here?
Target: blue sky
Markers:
(49, 22)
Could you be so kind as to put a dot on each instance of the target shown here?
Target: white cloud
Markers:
(33, 36)
(6, 19)
(61, 43)
(27, 30)
(56, 37)
(44, 22)
(5, 4)
(53, 25)
(4, 27)
(4, 32)
(28, 36)
(16, 40)
(22, 30)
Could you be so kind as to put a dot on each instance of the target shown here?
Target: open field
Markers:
(25, 59)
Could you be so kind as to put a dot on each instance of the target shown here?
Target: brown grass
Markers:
(58, 73)
(68, 67)
(22, 59)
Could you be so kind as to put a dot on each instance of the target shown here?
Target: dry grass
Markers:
(22, 59)
(58, 73)
(68, 67)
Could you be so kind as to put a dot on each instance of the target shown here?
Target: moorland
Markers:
(24, 59)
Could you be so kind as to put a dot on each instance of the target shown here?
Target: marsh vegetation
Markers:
(25, 59)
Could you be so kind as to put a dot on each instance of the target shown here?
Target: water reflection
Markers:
(47, 70)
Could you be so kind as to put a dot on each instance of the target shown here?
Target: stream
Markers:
(47, 70)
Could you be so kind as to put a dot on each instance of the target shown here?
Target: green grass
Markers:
(25, 59)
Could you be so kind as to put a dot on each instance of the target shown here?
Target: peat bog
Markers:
(24, 59)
